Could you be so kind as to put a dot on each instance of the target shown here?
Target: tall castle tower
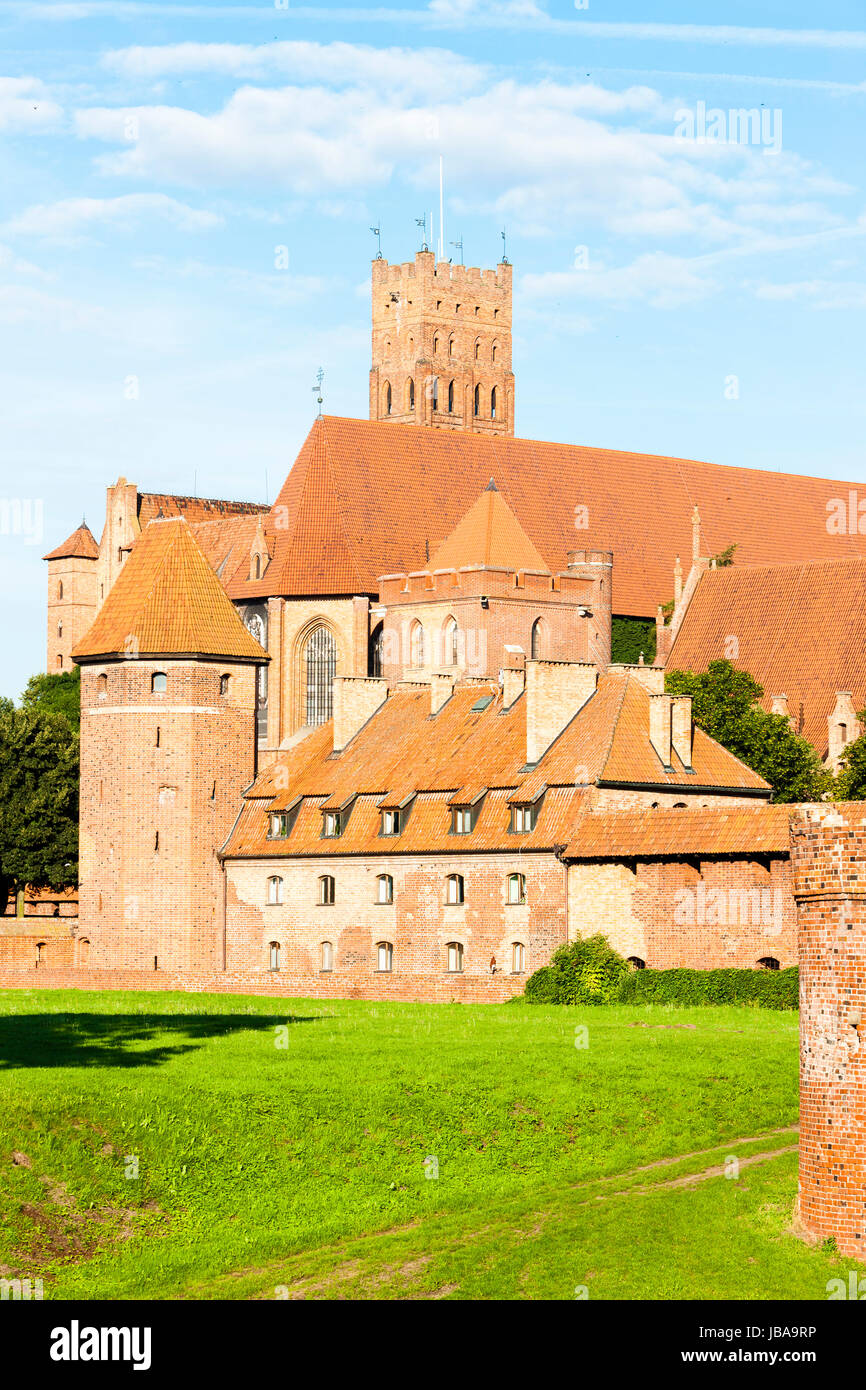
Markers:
(442, 346)
(168, 706)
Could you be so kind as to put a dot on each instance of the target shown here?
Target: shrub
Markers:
(590, 972)
(767, 989)
(586, 971)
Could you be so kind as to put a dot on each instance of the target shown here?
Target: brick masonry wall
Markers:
(404, 987)
(828, 849)
(711, 914)
(143, 776)
(419, 923)
(70, 613)
(439, 315)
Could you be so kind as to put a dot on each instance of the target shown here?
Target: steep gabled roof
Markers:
(81, 545)
(489, 535)
(799, 632)
(168, 601)
(153, 506)
(366, 498)
(401, 752)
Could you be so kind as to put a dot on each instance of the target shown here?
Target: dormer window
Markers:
(332, 825)
(390, 822)
(523, 819)
(462, 820)
(281, 824)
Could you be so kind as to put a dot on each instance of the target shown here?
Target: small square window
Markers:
(332, 824)
(523, 819)
(390, 822)
(462, 820)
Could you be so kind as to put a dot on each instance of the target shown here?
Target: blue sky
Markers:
(703, 298)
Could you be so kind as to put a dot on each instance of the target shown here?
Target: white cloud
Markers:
(537, 153)
(25, 106)
(820, 294)
(423, 72)
(657, 279)
(67, 219)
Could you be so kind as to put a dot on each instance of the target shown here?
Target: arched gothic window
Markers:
(450, 397)
(411, 394)
(477, 400)
(387, 398)
(320, 659)
(537, 646)
(416, 645)
(493, 404)
(450, 653)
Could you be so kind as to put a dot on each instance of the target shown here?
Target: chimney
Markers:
(356, 699)
(681, 728)
(779, 705)
(441, 689)
(555, 691)
(664, 638)
(843, 727)
(513, 675)
(660, 727)
(678, 583)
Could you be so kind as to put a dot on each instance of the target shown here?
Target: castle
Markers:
(371, 741)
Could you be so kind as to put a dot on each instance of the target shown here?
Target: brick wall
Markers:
(705, 914)
(419, 923)
(449, 321)
(828, 851)
(154, 811)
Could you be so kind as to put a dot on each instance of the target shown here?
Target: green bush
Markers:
(589, 971)
(586, 971)
(767, 989)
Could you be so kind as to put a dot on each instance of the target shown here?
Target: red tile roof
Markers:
(366, 498)
(401, 751)
(489, 535)
(81, 544)
(710, 830)
(799, 632)
(153, 505)
(168, 601)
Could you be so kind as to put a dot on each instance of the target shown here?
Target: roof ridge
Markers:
(614, 723)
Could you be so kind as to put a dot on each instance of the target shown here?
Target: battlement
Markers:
(471, 581)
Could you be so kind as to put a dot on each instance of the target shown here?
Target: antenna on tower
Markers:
(320, 377)
(422, 223)
(459, 246)
(504, 257)
(377, 233)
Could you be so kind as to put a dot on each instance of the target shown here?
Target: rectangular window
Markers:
(462, 820)
(281, 825)
(332, 824)
(390, 822)
(523, 818)
(455, 957)
(384, 955)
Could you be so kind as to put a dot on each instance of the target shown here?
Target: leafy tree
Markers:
(631, 636)
(60, 692)
(38, 799)
(724, 706)
(851, 782)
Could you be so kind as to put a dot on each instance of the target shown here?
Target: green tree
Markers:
(851, 782)
(724, 706)
(631, 636)
(60, 692)
(38, 799)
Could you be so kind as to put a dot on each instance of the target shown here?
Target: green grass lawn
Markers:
(286, 1148)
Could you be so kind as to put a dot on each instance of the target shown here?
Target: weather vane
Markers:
(320, 377)
(377, 233)
(459, 247)
(422, 223)
(504, 257)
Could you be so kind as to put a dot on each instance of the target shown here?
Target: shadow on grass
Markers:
(120, 1040)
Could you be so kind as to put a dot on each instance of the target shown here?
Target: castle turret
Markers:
(72, 595)
(168, 703)
(487, 596)
(442, 345)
